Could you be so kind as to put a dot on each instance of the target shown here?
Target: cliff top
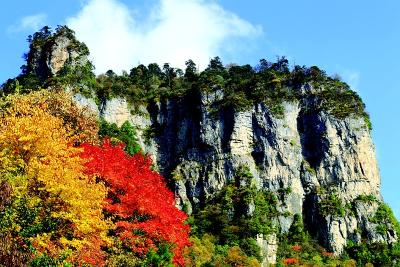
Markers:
(58, 59)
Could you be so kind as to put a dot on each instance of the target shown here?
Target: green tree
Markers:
(126, 134)
(190, 71)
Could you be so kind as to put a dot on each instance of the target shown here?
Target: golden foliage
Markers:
(36, 148)
(201, 251)
(204, 251)
(80, 120)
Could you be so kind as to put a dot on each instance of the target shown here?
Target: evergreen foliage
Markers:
(125, 134)
(234, 218)
(385, 218)
(297, 248)
(330, 203)
(242, 86)
(76, 72)
(375, 254)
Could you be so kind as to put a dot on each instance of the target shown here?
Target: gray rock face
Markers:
(52, 51)
(269, 248)
(87, 103)
(198, 149)
(115, 111)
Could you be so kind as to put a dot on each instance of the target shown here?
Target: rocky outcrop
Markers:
(198, 149)
(51, 52)
(60, 54)
(269, 248)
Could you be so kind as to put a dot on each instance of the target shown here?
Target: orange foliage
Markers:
(327, 254)
(296, 248)
(290, 261)
(42, 169)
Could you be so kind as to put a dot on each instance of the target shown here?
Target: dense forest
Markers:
(76, 190)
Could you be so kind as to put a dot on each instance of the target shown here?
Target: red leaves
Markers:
(296, 248)
(327, 254)
(290, 261)
(138, 198)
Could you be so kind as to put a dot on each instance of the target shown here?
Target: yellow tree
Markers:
(43, 168)
(80, 120)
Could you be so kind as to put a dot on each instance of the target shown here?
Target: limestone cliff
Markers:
(309, 151)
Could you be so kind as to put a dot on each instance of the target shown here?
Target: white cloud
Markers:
(352, 78)
(29, 23)
(173, 31)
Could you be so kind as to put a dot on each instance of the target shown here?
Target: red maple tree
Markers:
(141, 205)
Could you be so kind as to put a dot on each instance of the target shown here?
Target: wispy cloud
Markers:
(30, 23)
(173, 31)
(352, 78)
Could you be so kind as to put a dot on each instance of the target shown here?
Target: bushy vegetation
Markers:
(139, 204)
(230, 222)
(374, 253)
(366, 198)
(76, 73)
(232, 219)
(329, 203)
(41, 228)
(297, 248)
(377, 253)
(205, 251)
(53, 207)
(385, 218)
(242, 86)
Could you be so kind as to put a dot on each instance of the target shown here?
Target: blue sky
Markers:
(358, 39)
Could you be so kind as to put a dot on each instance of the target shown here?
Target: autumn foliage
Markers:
(139, 202)
(63, 203)
(46, 178)
(296, 248)
(290, 261)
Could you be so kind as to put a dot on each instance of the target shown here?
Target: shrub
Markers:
(330, 203)
(385, 219)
